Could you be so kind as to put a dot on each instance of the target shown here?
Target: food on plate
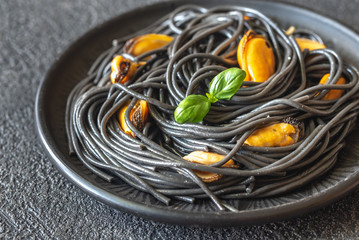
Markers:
(305, 43)
(216, 104)
(138, 116)
(256, 57)
(275, 135)
(123, 69)
(334, 93)
(208, 158)
(145, 43)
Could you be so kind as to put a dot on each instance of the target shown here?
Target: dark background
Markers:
(37, 202)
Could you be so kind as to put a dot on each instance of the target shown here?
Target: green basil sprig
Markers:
(194, 108)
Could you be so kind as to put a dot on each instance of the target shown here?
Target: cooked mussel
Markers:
(138, 116)
(334, 93)
(305, 43)
(276, 135)
(255, 56)
(208, 158)
(123, 69)
(144, 43)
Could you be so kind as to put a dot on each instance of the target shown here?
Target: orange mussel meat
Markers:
(138, 117)
(123, 69)
(276, 135)
(334, 93)
(144, 43)
(208, 158)
(305, 43)
(255, 56)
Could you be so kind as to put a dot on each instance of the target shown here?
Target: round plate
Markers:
(73, 65)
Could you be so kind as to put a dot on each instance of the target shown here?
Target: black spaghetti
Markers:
(120, 118)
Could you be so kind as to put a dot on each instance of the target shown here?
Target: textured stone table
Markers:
(37, 202)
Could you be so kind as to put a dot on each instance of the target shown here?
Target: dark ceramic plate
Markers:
(73, 65)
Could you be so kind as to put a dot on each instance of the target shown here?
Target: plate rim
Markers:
(180, 217)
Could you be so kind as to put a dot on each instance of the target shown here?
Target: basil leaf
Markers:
(192, 109)
(211, 98)
(226, 83)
